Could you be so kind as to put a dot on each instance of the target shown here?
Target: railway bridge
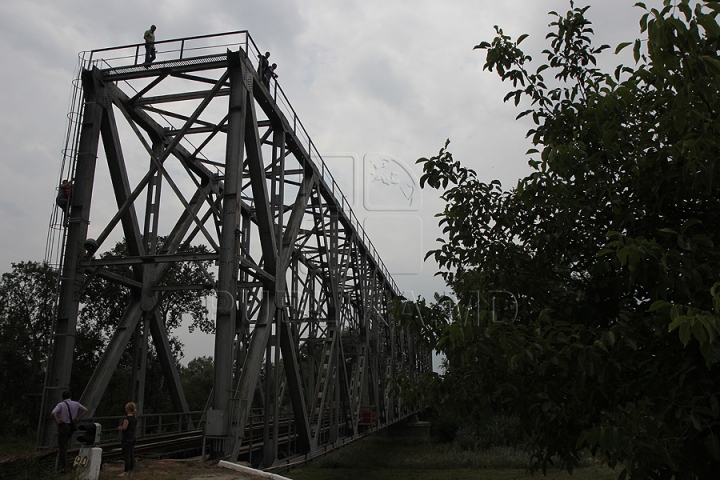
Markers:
(198, 150)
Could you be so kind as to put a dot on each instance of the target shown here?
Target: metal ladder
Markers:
(57, 227)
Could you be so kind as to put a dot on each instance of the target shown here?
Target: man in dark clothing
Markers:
(263, 64)
(149, 37)
(66, 414)
(63, 196)
(128, 428)
(269, 73)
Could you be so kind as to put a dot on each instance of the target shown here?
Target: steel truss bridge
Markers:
(302, 328)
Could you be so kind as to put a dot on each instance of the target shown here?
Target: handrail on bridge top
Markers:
(204, 45)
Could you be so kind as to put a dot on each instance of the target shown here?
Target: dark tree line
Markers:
(26, 311)
(27, 299)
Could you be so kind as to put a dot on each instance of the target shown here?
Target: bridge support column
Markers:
(227, 288)
(63, 345)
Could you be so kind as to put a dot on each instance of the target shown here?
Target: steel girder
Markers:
(303, 332)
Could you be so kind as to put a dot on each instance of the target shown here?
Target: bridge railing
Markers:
(154, 424)
(302, 134)
(168, 50)
(217, 44)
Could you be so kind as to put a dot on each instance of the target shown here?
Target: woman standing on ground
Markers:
(128, 427)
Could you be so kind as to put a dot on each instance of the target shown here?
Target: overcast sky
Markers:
(369, 79)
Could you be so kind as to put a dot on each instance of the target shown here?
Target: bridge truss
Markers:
(302, 324)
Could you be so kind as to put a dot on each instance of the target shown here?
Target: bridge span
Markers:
(198, 150)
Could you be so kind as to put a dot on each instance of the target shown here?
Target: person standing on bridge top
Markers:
(263, 64)
(66, 414)
(128, 428)
(269, 73)
(149, 37)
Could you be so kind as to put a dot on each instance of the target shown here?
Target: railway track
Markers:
(175, 445)
(172, 445)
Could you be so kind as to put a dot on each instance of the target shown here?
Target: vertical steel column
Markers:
(60, 363)
(140, 350)
(242, 318)
(334, 321)
(272, 362)
(150, 234)
(313, 339)
(229, 246)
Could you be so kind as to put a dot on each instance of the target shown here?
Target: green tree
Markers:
(26, 315)
(103, 304)
(587, 299)
(197, 382)
(27, 309)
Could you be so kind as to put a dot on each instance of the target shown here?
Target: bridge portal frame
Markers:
(302, 322)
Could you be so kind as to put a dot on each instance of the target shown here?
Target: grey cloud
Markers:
(368, 76)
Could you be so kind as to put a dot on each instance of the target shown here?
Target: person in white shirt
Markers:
(66, 414)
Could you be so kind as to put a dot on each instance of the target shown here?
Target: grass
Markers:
(375, 457)
(10, 446)
(387, 458)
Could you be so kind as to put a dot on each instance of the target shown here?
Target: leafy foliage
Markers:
(587, 298)
(197, 382)
(103, 304)
(104, 300)
(26, 315)
(27, 296)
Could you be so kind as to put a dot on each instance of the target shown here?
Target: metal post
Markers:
(61, 358)
(229, 242)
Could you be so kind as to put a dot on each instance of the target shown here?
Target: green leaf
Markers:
(699, 332)
(680, 122)
(685, 9)
(685, 333)
(621, 46)
(712, 446)
(688, 224)
(658, 304)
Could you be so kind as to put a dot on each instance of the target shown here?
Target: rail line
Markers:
(183, 445)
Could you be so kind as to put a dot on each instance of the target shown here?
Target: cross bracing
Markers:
(197, 150)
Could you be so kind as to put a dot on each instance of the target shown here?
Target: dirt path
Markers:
(191, 469)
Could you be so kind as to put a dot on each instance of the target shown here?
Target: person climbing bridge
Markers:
(150, 51)
(63, 196)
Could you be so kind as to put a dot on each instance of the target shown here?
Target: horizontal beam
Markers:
(115, 277)
(256, 271)
(143, 259)
(175, 288)
(180, 97)
(198, 130)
